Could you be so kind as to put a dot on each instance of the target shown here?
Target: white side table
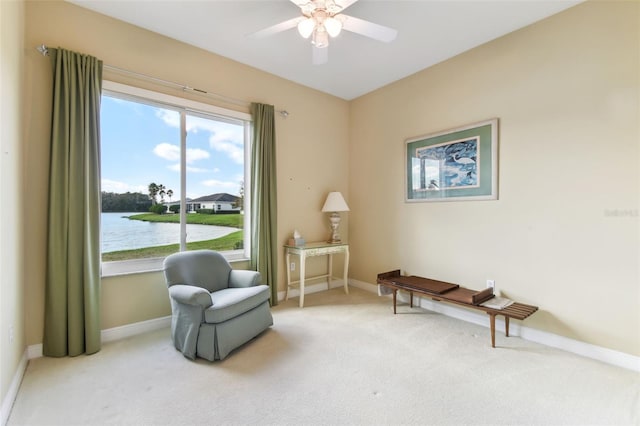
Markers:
(315, 249)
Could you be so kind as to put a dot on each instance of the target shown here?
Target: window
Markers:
(162, 193)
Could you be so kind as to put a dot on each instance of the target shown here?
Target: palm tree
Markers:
(153, 192)
(169, 194)
(162, 192)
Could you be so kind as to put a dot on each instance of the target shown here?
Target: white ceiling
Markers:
(429, 31)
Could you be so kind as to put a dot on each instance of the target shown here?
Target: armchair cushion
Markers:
(231, 302)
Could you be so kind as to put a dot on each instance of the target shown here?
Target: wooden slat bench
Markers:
(453, 293)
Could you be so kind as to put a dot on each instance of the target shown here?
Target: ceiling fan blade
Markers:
(342, 3)
(345, 3)
(277, 28)
(320, 55)
(368, 29)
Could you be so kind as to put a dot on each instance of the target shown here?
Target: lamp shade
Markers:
(335, 203)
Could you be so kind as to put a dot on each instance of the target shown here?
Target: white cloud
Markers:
(108, 185)
(225, 137)
(167, 151)
(227, 143)
(172, 153)
(170, 118)
(195, 154)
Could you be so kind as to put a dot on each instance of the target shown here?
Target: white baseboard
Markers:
(363, 285)
(320, 285)
(609, 356)
(10, 397)
(122, 332)
(115, 333)
(34, 351)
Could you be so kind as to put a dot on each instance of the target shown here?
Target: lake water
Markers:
(121, 233)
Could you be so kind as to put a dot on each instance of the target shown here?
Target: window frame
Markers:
(183, 106)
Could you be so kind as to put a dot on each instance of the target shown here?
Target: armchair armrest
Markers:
(244, 278)
(190, 295)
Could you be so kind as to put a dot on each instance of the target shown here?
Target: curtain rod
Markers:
(44, 50)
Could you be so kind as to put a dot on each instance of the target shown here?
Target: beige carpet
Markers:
(340, 360)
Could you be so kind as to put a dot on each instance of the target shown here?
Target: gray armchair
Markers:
(214, 308)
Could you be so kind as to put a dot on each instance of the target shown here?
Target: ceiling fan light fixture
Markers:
(307, 8)
(332, 7)
(333, 26)
(324, 19)
(306, 27)
(320, 38)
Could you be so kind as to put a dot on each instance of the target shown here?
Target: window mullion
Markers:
(183, 180)
(247, 190)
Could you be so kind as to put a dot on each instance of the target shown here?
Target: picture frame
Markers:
(453, 165)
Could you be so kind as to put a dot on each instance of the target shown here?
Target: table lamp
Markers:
(335, 203)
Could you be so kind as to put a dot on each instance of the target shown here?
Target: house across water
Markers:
(218, 203)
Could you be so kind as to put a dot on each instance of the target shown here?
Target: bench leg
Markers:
(506, 325)
(411, 298)
(492, 320)
(395, 291)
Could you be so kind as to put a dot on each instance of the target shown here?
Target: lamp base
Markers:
(334, 219)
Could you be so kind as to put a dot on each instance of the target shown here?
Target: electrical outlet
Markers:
(491, 284)
(293, 266)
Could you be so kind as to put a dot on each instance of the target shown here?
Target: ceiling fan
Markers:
(322, 19)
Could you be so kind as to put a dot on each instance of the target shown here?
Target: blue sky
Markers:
(140, 144)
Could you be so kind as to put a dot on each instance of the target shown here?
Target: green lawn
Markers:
(232, 241)
(228, 242)
(233, 220)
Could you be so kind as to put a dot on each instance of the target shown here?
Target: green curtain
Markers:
(264, 255)
(72, 295)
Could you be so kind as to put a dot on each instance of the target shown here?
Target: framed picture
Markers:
(455, 164)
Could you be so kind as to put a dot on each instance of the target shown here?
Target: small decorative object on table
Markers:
(297, 240)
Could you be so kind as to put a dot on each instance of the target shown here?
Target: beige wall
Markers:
(564, 234)
(312, 159)
(11, 134)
